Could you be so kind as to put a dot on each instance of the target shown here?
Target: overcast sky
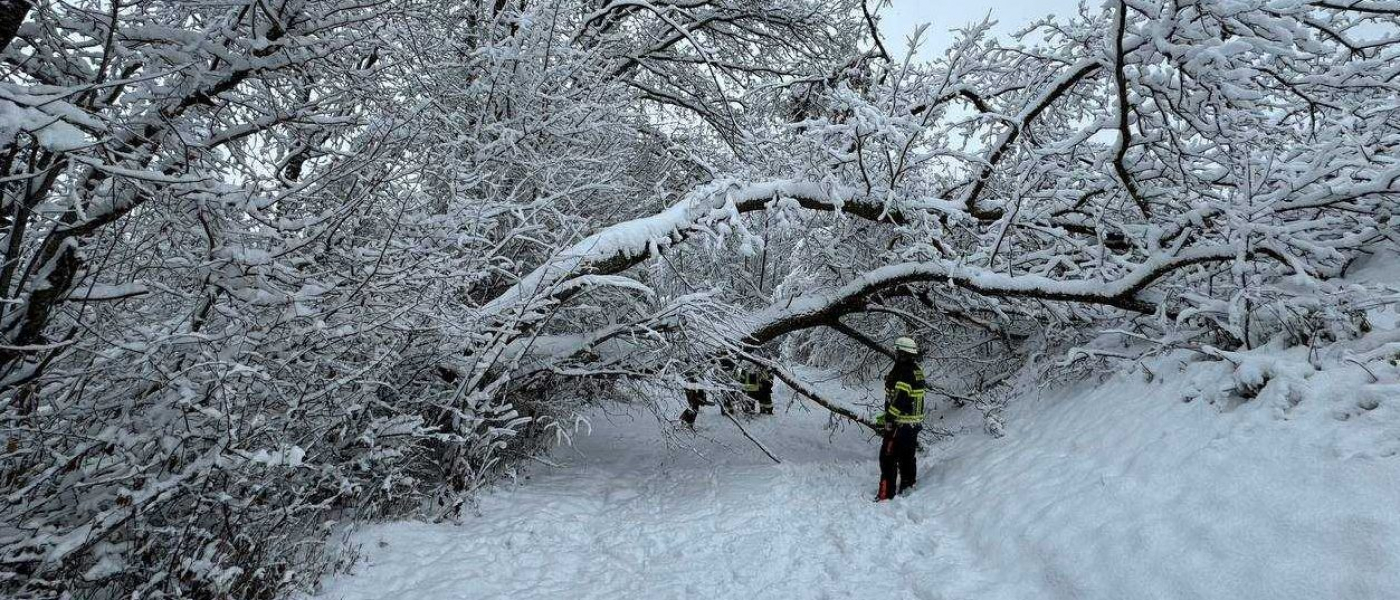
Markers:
(942, 15)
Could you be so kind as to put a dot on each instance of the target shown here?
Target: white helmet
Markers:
(906, 344)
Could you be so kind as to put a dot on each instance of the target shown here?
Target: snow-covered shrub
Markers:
(1310, 315)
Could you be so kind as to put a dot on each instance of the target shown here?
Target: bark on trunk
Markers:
(12, 14)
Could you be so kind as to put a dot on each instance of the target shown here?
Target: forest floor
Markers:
(1156, 483)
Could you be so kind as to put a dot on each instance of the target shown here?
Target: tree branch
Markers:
(1124, 135)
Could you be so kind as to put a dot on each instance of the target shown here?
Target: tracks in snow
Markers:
(627, 521)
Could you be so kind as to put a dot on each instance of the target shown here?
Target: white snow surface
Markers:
(1174, 488)
(702, 515)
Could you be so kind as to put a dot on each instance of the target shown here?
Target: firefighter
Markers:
(694, 399)
(758, 386)
(901, 420)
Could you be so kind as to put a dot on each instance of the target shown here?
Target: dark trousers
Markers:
(761, 400)
(764, 399)
(694, 399)
(898, 469)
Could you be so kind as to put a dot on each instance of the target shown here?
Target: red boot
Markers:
(884, 492)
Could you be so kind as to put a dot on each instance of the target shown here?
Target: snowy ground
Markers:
(706, 516)
(1126, 489)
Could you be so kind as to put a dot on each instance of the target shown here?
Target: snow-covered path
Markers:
(1164, 487)
(704, 516)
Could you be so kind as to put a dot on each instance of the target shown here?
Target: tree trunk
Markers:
(12, 13)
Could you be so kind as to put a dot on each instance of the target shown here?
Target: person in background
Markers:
(756, 383)
(694, 399)
(758, 386)
(901, 420)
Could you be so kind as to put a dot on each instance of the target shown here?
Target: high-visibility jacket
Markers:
(904, 394)
(754, 381)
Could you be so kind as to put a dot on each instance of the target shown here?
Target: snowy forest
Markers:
(276, 269)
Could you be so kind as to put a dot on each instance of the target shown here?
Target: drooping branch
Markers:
(1124, 293)
(808, 391)
(825, 309)
(859, 337)
(1362, 6)
(630, 243)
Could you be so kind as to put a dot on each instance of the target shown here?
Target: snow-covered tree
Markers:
(253, 252)
(1178, 165)
(273, 267)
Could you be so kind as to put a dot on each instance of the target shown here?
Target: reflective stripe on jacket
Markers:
(904, 394)
(753, 381)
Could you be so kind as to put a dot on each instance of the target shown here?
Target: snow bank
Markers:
(1183, 488)
(1267, 474)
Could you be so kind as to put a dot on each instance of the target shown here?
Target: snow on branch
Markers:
(1124, 293)
(621, 246)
